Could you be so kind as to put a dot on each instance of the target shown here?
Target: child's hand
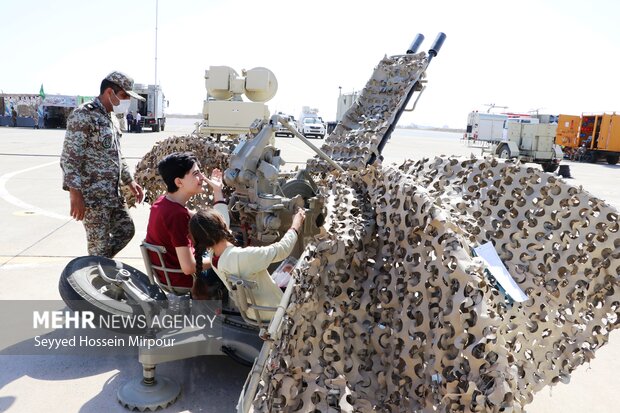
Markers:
(298, 220)
(215, 180)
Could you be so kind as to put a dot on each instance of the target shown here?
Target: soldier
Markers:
(94, 169)
(35, 117)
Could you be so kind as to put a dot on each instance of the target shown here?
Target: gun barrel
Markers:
(415, 45)
(441, 37)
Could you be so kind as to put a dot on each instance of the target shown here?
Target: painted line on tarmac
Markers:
(6, 195)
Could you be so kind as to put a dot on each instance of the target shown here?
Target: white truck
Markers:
(310, 123)
(485, 127)
(152, 110)
(492, 127)
(516, 136)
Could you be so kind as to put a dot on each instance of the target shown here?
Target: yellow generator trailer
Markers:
(597, 136)
(567, 131)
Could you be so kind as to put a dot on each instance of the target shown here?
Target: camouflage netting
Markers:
(210, 154)
(393, 313)
(357, 136)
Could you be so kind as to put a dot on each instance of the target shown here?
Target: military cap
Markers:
(124, 82)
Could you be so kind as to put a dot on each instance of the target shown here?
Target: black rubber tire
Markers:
(503, 152)
(81, 287)
(155, 127)
(163, 126)
(613, 159)
(590, 157)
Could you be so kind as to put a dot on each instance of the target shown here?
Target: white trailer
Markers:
(531, 142)
(493, 127)
(485, 127)
(513, 135)
(152, 110)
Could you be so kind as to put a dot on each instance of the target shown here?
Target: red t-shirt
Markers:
(169, 226)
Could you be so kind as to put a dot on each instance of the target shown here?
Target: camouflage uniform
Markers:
(92, 162)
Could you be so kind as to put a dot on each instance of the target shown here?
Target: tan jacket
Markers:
(251, 263)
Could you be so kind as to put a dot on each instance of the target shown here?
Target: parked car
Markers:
(282, 130)
(313, 127)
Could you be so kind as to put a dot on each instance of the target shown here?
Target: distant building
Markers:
(50, 112)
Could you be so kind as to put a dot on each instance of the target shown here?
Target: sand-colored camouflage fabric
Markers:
(357, 136)
(394, 313)
(210, 153)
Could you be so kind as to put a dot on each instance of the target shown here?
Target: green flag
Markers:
(41, 92)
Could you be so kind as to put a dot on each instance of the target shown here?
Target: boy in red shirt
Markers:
(169, 218)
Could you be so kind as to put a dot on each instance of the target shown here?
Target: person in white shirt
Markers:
(210, 233)
(138, 120)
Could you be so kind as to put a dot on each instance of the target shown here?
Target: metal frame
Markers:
(151, 268)
(241, 291)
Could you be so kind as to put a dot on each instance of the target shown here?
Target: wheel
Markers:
(588, 157)
(163, 126)
(613, 159)
(83, 289)
(549, 166)
(155, 127)
(504, 152)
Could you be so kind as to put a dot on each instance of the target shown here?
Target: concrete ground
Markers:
(38, 238)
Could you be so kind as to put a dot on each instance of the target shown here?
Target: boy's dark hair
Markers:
(175, 165)
(105, 83)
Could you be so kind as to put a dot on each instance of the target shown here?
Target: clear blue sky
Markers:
(555, 56)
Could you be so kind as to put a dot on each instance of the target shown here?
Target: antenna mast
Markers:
(493, 105)
(156, 19)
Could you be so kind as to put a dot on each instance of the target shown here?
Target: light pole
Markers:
(156, 88)
(156, 20)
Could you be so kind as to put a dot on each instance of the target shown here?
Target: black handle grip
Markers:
(415, 45)
(441, 37)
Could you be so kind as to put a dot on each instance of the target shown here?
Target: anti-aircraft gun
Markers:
(265, 198)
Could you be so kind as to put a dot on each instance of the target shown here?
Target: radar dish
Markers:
(260, 84)
(218, 80)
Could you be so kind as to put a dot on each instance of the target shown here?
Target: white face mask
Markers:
(123, 105)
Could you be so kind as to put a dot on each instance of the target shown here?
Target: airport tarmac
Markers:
(39, 238)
